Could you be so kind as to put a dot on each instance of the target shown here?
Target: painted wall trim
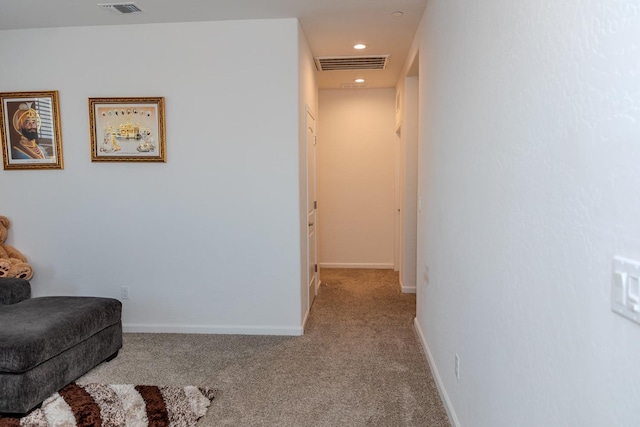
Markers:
(304, 321)
(436, 375)
(213, 329)
(380, 266)
(408, 289)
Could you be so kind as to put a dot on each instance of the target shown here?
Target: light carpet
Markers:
(115, 405)
(358, 364)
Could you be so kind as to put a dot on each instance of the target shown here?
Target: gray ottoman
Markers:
(48, 342)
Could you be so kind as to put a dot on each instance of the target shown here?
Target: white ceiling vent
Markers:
(121, 8)
(345, 63)
(354, 86)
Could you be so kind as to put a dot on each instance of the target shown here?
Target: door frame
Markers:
(310, 263)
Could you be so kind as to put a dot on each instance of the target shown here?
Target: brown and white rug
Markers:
(119, 405)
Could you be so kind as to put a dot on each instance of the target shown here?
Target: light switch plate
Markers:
(625, 288)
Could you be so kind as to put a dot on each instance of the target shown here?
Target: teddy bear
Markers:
(12, 262)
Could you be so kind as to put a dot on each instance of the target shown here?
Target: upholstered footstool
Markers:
(48, 342)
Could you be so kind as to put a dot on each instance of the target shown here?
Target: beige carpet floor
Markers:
(358, 364)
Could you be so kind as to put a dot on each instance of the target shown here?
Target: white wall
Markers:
(530, 131)
(356, 177)
(209, 241)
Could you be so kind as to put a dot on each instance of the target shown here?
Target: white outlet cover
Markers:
(625, 288)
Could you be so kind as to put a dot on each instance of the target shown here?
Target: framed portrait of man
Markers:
(30, 130)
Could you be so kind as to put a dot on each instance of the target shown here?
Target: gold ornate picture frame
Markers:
(30, 130)
(127, 129)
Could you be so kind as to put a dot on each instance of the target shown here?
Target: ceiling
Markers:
(332, 27)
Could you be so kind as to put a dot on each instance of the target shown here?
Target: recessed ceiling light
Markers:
(360, 46)
(397, 13)
(359, 80)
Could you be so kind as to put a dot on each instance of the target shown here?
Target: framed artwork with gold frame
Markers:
(30, 130)
(127, 129)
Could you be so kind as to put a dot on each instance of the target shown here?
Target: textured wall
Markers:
(529, 175)
(209, 241)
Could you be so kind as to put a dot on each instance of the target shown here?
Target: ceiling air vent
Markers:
(354, 86)
(345, 63)
(121, 8)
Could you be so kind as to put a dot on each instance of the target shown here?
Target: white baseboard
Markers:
(408, 289)
(213, 329)
(308, 312)
(377, 266)
(436, 375)
(306, 317)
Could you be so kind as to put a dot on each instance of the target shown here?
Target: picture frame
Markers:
(127, 129)
(30, 130)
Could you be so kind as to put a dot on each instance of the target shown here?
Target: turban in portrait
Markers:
(23, 113)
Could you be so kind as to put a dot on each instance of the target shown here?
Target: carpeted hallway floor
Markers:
(358, 364)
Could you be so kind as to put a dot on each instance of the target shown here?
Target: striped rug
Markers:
(115, 405)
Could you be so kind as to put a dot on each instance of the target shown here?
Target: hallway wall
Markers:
(529, 176)
(356, 177)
